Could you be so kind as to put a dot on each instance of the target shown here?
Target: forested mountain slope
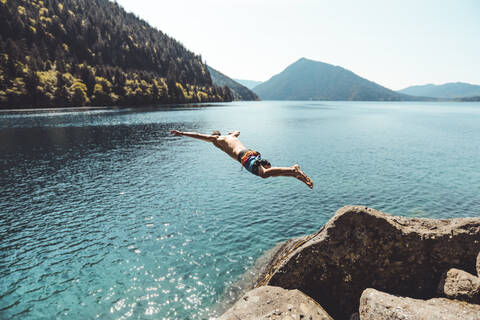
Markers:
(239, 91)
(92, 52)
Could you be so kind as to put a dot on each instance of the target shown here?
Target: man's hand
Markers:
(176, 133)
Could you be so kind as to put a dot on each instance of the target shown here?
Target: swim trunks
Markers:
(250, 160)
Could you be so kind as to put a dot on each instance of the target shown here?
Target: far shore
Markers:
(63, 109)
(90, 108)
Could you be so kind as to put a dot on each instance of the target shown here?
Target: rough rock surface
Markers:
(355, 316)
(478, 264)
(275, 303)
(363, 248)
(376, 305)
(461, 285)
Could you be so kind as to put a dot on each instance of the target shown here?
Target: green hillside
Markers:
(313, 80)
(91, 52)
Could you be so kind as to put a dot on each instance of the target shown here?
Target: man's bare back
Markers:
(250, 159)
(230, 144)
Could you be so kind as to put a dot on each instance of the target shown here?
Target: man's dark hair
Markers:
(216, 133)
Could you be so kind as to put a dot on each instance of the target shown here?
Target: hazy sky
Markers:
(394, 43)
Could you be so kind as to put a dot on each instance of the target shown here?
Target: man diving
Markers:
(250, 159)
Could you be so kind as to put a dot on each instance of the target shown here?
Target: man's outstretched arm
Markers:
(195, 135)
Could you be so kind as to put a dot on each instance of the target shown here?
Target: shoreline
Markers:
(91, 108)
(62, 109)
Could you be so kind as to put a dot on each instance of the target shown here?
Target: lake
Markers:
(104, 214)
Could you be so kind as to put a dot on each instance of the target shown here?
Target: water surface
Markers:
(104, 215)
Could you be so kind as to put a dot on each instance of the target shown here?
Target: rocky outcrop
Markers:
(363, 248)
(376, 305)
(461, 285)
(478, 264)
(275, 303)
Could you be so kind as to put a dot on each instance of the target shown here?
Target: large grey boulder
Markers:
(275, 303)
(376, 305)
(362, 248)
(461, 285)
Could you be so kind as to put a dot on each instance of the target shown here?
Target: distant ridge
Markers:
(313, 80)
(239, 92)
(469, 99)
(448, 90)
(250, 84)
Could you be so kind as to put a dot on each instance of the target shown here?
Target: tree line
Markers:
(92, 52)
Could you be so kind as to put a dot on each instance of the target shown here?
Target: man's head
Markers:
(265, 163)
(216, 133)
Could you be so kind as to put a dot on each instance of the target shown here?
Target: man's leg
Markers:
(293, 171)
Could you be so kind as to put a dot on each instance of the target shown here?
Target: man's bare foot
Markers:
(300, 175)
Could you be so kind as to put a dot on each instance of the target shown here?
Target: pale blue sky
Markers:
(395, 43)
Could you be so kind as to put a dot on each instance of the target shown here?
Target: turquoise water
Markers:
(104, 215)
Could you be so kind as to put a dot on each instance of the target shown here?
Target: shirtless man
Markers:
(250, 159)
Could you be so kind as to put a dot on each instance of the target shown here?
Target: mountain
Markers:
(250, 84)
(313, 80)
(447, 90)
(239, 92)
(92, 52)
